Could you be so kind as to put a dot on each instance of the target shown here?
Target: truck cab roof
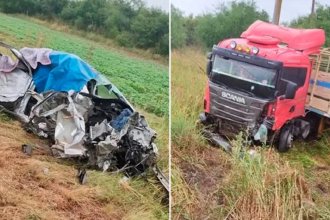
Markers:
(288, 45)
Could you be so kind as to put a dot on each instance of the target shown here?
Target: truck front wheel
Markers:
(286, 138)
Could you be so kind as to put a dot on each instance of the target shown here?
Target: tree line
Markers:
(230, 20)
(321, 19)
(128, 22)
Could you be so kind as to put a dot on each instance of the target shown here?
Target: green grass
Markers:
(141, 196)
(309, 155)
(313, 159)
(187, 94)
(145, 83)
(264, 186)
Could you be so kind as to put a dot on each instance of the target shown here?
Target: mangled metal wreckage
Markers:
(56, 95)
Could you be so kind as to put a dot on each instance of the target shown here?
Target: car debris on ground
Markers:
(58, 96)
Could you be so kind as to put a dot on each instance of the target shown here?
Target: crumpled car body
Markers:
(58, 96)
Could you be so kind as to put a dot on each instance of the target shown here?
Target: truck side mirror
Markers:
(209, 63)
(291, 89)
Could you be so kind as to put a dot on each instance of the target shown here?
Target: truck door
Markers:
(287, 109)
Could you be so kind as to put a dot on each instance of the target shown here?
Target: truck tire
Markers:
(285, 139)
(314, 121)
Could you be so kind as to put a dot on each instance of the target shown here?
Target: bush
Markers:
(124, 39)
(148, 28)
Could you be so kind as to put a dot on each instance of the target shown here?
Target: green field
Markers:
(144, 83)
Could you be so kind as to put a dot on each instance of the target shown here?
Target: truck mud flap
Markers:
(217, 140)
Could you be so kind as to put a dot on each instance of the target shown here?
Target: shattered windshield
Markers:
(103, 81)
(108, 90)
(244, 71)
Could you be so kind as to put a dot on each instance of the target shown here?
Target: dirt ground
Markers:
(205, 174)
(40, 186)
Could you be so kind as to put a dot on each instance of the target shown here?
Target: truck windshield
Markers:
(244, 71)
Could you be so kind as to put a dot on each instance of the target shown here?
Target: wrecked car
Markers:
(58, 96)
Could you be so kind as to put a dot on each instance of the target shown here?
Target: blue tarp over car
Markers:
(66, 72)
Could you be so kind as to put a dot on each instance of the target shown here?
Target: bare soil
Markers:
(40, 186)
(204, 171)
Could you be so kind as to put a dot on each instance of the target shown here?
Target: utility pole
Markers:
(313, 7)
(277, 12)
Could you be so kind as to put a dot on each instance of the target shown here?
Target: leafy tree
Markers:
(117, 22)
(28, 7)
(92, 14)
(50, 8)
(178, 31)
(162, 47)
(149, 26)
(70, 12)
(190, 27)
(229, 21)
(45, 8)
(321, 19)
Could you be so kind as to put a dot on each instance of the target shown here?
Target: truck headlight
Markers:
(255, 50)
(233, 44)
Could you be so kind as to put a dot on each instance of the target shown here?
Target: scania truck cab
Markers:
(262, 84)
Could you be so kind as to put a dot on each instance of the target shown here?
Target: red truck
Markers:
(272, 83)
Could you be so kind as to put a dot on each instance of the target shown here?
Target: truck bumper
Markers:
(215, 138)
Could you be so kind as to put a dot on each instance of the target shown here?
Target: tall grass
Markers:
(183, 197)
(263, 186)
(188, 80)
(187, 87)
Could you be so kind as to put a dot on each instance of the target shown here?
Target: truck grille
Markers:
(236, 111)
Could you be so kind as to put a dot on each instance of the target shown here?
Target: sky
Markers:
(162, 4)
(291, 9)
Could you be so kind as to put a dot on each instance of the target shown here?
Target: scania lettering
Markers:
(233, 97)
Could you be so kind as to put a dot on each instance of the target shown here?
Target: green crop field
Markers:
(144, 83)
